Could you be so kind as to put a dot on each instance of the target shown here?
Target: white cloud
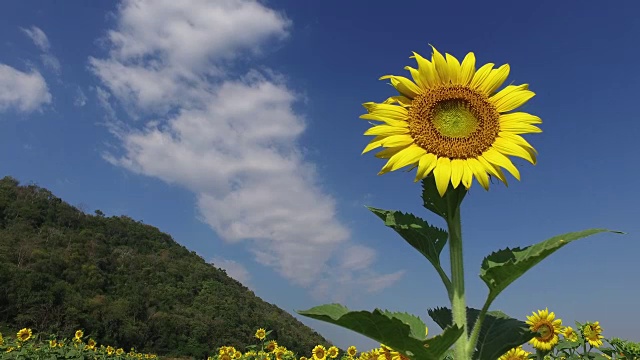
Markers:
(230, 139)
(80, 99)
(41, 41)
(39, 38)
(234, 269)
(22, 91)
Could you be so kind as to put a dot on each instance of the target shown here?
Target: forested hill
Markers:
(125, 283)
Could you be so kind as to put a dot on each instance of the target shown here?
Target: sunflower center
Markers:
(546, 332)
(453, 121)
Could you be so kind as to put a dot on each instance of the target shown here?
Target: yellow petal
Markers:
(492, 169)
(518, 140)
(415, 74)
(512, 99)
(519, 128)
(401, 100)
(404, 86)
(425, 165)
(467, 69)
(494, 79)
(481, 74)
(386, 130)
(397, 140)
(384, 119)
(510, 148)
(479, 172)
(454, 68)
(497, 158)
(387, 153)
(457, 170)
(442, 173)
(467, 175)
(427, 71)
(441, 66)
(520, 117)
(407, 156)
(373, 144)
(388, 110)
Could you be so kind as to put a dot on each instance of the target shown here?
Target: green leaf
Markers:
(566, 344)
(402, 332)
(499, 333)
(432, 200)
(503, 267)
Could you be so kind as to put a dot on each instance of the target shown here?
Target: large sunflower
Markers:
(451, 121)
(546, 324)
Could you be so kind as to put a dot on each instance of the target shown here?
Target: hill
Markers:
(125, 283)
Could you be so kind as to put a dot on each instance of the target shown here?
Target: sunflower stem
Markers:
(458, 303)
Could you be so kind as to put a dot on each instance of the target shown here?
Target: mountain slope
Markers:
(125, 283)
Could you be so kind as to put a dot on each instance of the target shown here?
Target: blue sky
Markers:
(233, 126)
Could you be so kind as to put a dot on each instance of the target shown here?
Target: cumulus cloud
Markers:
(234, 269)
(22, 91)
(41, 41)
(230, 138)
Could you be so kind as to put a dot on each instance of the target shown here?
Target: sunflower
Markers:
(352, 351)
(91, 344)
(261, 334)
(544, 323)
(319, 352)
(53, 343)
(515, 354)
(120, 351)
(1, 340)
(280, 352)
(303, 358)
(569, 334)
(271, 346)
(24, 334)
(110, 350)
(333, 352)
(592, 333)
(78, 335)
(451, 121)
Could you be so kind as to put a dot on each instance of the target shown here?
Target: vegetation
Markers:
(123, 282)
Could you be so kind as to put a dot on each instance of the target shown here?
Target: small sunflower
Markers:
(261, 333)
(319, 352)
(53, 343)
(332, 352)
(452, 121)
(237, 355)
(120, 351)
(225, 356)
(569, 334)
(352, 351)
(110, 350)
(303, 358)
(544, 323)
(78, 335)
(515, 354)
(592, 333)
(91, 344)
(24, 334)
(271, 346)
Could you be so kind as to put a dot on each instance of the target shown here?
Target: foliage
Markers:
(125, 283)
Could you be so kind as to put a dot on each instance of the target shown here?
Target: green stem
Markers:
(475, 332)
(458, 303)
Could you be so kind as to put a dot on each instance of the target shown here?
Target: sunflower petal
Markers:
(520, 117)
(497, 158)
(386, 130)
(481, 74)
(404, 86)
(425, 165)
(494, 79)
(454, 68)
(389, 152)
(441, 66)
(467, 69)
(510, 148)
(518, 140)
(384, 119)
(492, 169)
(427, 71)
(442, 172)
(401, 100)
(511, 99)
(519, 128)
(457, 170)
(415, 75)
(407, 156)
(397, 140)
(479, 172)
(467, 175)
(373, 144)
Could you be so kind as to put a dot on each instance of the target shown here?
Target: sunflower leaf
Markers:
(400, 331)
(427, 239)
(437, 204)
(498, 334)
(503, 267)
